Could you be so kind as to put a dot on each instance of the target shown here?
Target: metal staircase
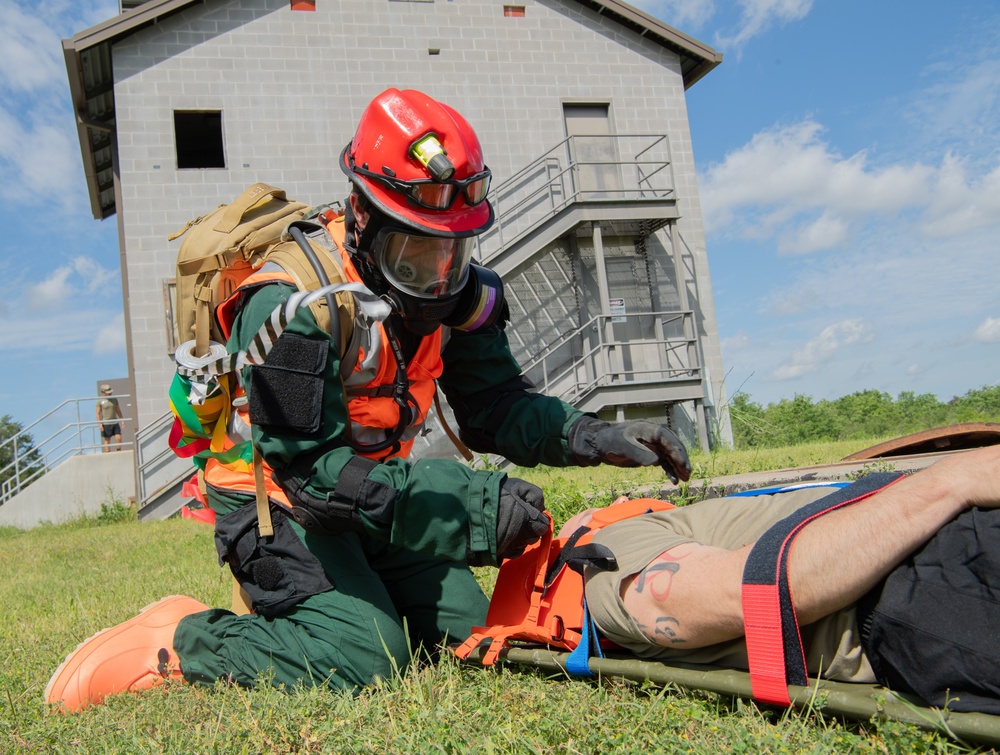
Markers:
(556, 194)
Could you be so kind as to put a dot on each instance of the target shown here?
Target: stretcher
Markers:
(857, 702)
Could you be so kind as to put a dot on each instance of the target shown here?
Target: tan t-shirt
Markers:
(832, 644)
(108, 408)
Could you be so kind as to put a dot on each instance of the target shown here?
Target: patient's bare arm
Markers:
(689, 596)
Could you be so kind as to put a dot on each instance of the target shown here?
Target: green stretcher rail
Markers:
(860, 702)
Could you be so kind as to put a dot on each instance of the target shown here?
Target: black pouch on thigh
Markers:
(277, 572)
(932, 626)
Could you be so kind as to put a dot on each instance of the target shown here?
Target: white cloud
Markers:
(31, 48)
(962, 203)
(773, 186)
(52, 332)
(758, 16)
(988, 331)
(41, 161)
(96, 277)
(58, 289)
(821, 349)
(735, 342)
(39, 152)
(111, 338)
(681, 14)
(826, 232)
(963, 108)
(51, 293)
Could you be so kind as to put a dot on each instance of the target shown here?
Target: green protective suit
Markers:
(394, 585)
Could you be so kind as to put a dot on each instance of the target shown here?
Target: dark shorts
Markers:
(931, 626)
(110, 431)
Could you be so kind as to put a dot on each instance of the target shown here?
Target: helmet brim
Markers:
(464, 221)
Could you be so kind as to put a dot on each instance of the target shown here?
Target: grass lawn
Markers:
(63, 584)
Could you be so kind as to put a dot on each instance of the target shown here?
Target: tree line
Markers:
(862, 415)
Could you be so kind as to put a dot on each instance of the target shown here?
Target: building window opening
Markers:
(513, 11)
(198, 135)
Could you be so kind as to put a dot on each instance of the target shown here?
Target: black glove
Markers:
(636, 443)
(520, 520)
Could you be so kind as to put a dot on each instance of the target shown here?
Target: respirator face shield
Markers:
(424, 267)
(430, 280)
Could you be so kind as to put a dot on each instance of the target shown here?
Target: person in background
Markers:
(109, 414)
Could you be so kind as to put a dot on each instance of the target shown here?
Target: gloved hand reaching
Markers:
(636, 443)
(520, 520)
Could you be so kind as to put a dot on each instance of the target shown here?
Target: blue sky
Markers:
(849, 168)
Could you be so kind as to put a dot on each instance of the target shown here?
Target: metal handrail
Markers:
(679, 355)
(62, 443)
(154, 436)
(553, 182)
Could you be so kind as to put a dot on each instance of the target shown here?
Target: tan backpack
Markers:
(224, 247)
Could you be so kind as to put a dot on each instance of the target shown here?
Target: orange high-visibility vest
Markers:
(371, 414)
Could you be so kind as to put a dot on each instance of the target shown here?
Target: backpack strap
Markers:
(235, 212)
(774, 646)
(290, 258)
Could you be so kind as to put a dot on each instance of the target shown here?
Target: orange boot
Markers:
(135, 655)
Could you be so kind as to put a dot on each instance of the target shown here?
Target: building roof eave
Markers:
(697, 58)
(88, 67)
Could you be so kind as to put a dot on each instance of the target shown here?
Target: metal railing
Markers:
(157, 467)
(68, 434)
(662, 346)
(581, 168)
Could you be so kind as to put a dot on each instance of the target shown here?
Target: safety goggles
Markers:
(423, 266)
(431, 194)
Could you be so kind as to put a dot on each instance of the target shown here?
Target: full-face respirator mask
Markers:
(429, 280)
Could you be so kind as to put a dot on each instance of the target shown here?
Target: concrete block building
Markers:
(580, 107)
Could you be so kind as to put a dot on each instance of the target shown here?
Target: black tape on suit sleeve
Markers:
(286, 392)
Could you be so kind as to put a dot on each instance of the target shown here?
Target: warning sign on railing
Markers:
(616, 308)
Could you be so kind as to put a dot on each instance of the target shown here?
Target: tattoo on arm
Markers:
(665, 632)
(657, 579)
(651, 572)
(658, 576)
(668, 632)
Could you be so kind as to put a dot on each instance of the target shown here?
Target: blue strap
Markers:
(787, 488)
(578, 662)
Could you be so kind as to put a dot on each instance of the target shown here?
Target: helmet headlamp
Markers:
(429, 153)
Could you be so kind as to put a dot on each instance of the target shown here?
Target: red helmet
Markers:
(419, 162)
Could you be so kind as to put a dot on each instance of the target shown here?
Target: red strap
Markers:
(774, 646)
(765, 644)
(190, 489)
